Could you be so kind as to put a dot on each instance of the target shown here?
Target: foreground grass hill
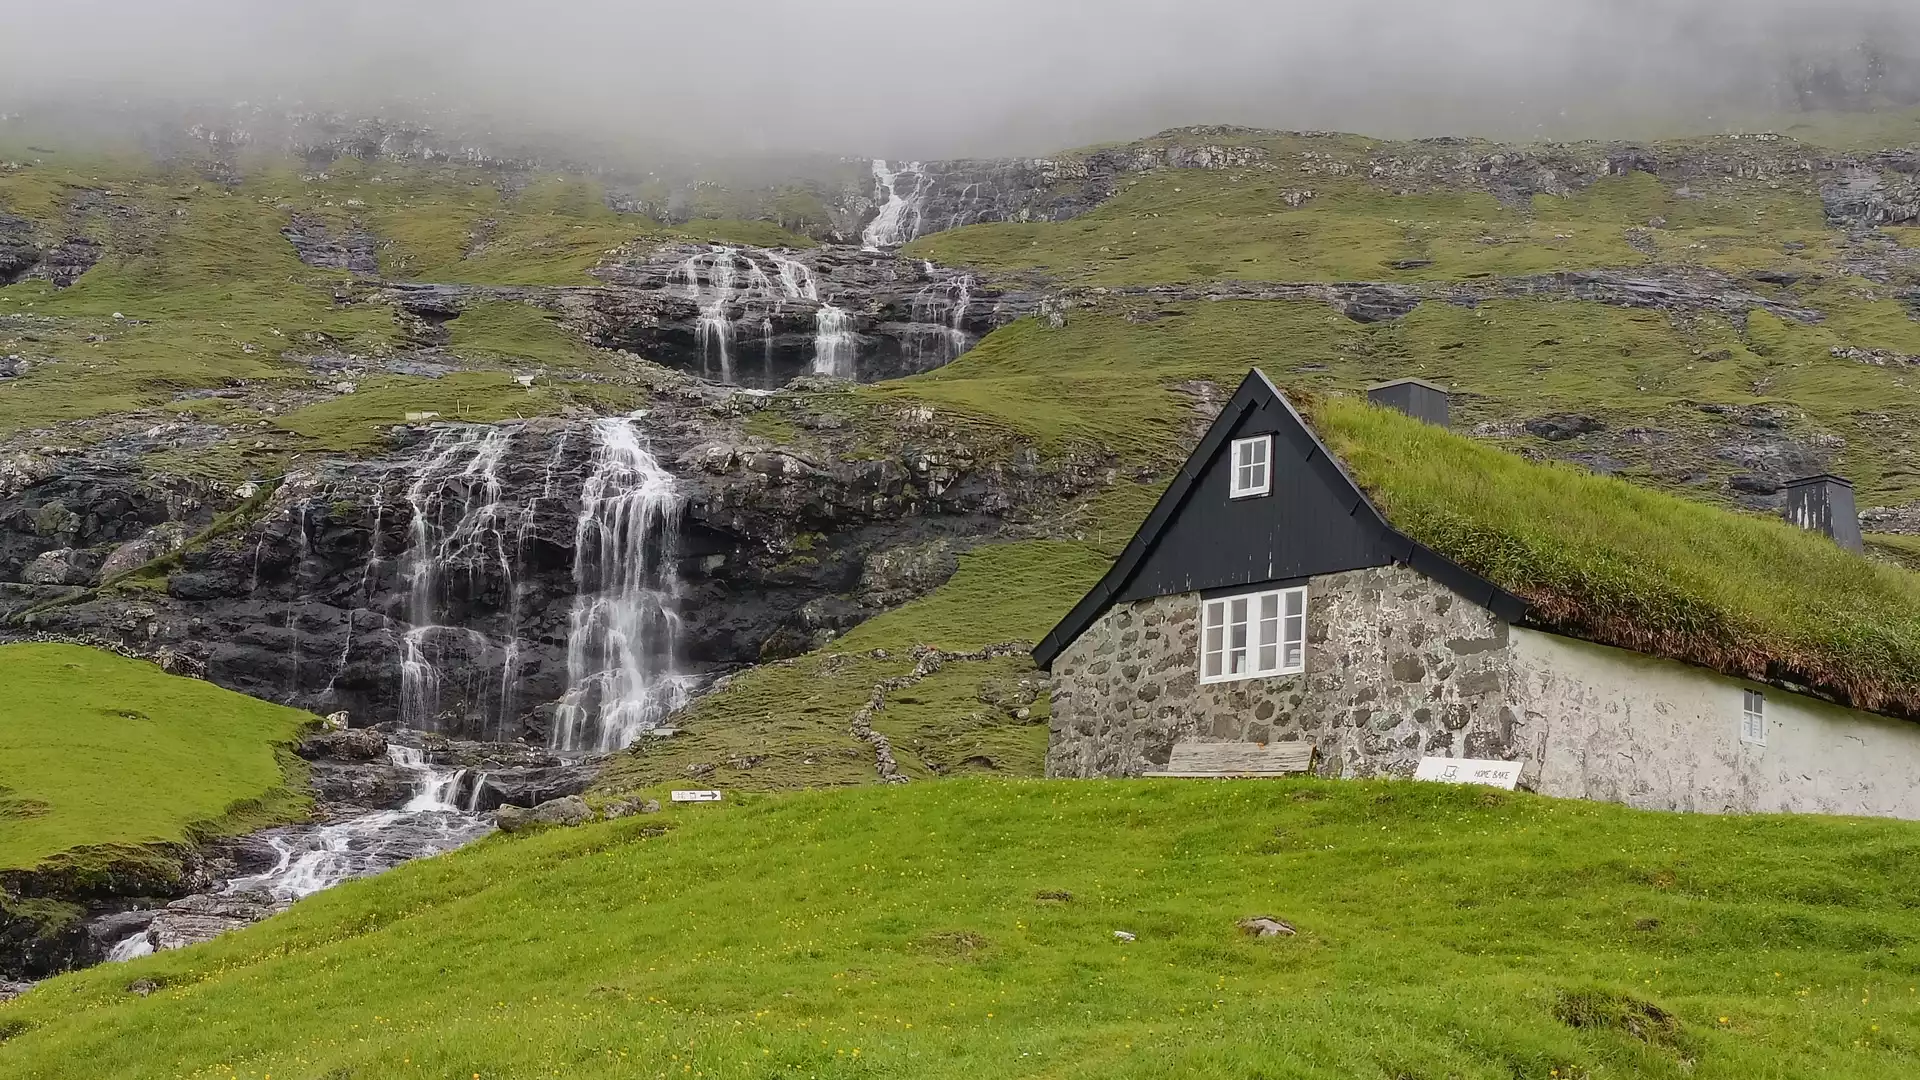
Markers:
(111, 769)
(968, 929)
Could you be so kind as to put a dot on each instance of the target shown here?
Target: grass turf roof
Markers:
(1601, 559)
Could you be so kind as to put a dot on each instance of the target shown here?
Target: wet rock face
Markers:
(59, 526)
(18, 253)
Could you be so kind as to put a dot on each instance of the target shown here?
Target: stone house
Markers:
(1266, 600)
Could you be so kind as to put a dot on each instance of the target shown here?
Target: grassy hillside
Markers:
(97, 750)
(786, 726)
(967, 930)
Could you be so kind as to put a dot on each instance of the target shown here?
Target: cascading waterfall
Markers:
(900, 216)
(939, 313)
(458, 537)
(622, 672)
(724, 279)
(715, 328)
(834, 343)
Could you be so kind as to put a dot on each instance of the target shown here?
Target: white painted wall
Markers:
(1621, 727)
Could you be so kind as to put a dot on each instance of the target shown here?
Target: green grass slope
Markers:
(967, 930)
(787, 725)
(1294, 222)
(98, 751)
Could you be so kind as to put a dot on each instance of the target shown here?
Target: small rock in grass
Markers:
(1266, 926)
(1122, 935)
(1058, 896)
(572, 810)
(620, 808)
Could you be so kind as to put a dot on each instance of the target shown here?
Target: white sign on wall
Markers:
(696, 796)
(1500, 774)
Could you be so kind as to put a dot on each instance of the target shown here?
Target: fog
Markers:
(915, 78)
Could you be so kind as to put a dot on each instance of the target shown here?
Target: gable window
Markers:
(1252, 466)
(1254, 636)
(1753, 719)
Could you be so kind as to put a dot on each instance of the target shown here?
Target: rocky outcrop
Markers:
(314, 241)
(1883, 189)
(18, 252)
(309, 597)
(1676, 290)
(571, 810)
(26, 252)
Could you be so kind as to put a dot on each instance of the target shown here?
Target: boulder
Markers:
(203, 918)
(572, 810)
(62, 566)
(620, 808)
(158, 541)
(1564, 426)
(1266, 926)
(353, 744)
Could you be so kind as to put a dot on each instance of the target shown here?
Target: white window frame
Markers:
(1753, 718)
(1259, 635)
(1245, 484)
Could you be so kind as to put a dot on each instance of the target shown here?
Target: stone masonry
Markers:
(1398, 668)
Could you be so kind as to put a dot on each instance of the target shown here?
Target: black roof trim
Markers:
(1465, 582)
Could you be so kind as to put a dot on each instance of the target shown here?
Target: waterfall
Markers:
(622, 674)
(724, 280)
(458, 543)
(715, 328)
(939, 314)
(834, 342)
(900, 216)
(796, 279)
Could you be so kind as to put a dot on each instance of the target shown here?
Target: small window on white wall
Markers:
(1252, 466)
(1753, 719)
(1254, 636)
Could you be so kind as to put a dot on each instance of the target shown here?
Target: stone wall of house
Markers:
(1398, 668)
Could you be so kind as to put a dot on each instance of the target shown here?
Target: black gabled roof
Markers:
(1255, 391)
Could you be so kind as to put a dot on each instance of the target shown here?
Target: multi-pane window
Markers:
(1753, 719)
(1252, 466)
(1253, 636)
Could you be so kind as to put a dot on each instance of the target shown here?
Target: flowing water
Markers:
(835, 346)
(310, 858)
(900, 215)
(939, 313)
(458, 549)
(732, 288)
(622, 669)
(466, 559)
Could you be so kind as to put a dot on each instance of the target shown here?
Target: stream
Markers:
(310, 858)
